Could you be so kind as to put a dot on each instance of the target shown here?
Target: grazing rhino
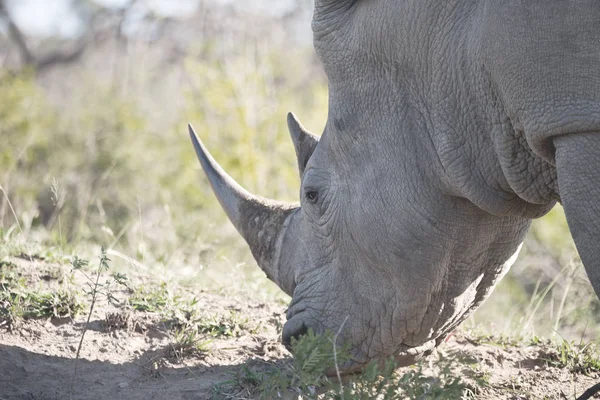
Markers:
(452, 124)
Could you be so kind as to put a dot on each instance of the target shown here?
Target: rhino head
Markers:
(451, 125)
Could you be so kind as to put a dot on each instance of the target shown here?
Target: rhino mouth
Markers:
(300, 321)
(293, 329)
(298, 318)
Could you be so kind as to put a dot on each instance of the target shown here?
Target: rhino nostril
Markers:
(293, 333)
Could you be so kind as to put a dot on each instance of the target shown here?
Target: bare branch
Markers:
(123, 13)
(67, 56)
(61, 57)
(17, 36)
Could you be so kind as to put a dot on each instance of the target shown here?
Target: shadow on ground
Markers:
(31, 376)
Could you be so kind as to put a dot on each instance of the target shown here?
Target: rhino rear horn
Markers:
(305, 142)
(260, 221)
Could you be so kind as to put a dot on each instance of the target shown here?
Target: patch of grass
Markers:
(152, 299)
(16, 304)
(577, 358)
(187, 341)
(389, 384)
(59, 304)
(9, 310)
(8, 275)
(18, 247)
(192, 334)
(232, 325)
(179, 312)
(314, 357)
(18, 301)
(501, 340)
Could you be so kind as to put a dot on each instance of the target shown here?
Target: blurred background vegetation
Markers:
(95, 96)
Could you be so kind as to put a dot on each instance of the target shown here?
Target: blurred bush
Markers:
(97, 169)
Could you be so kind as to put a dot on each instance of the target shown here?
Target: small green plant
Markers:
(314, 357)
(188, 342)
(577, 358)
(415, 384)
(375, 382)
(309, 375)
(384, 382)
(536, 341)
(95, 288)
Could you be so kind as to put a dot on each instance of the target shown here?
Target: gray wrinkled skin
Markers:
(451, 125)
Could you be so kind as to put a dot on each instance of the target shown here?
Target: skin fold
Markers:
(451, 126)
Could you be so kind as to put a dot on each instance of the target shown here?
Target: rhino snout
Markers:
(293, 329)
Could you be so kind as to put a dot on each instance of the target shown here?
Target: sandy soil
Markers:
(129, 356)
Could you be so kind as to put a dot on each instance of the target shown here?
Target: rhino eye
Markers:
(312, 196)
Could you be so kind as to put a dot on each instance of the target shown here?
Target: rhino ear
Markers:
(305, 142)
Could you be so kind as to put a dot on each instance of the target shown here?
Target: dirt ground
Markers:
(130, 357)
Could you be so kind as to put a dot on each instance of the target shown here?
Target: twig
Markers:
(26, 56)
(337, 369)
(85, 328)
(8, 200)
(590, 392)
(72, 53)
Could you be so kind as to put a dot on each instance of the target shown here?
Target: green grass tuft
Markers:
(187, 342)
(577, 358)
(152, 299)
(18, 300)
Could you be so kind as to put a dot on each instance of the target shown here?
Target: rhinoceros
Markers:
(451, 125)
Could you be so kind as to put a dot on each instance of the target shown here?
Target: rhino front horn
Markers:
(260, 221)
